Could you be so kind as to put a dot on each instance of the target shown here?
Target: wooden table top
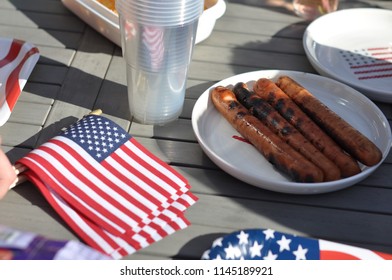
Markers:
(80, 70)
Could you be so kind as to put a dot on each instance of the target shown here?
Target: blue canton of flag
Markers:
(98, 136)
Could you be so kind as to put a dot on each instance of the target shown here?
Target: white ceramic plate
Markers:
(105, 21)
(17, 61)
(354, 46)
(243, 161)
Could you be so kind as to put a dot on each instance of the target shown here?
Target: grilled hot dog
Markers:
(270, 92)
(274, 149)
(279, 125)
(350, 139)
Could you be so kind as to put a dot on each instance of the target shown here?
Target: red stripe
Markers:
(135, 187)
(13, 52)
(381, 53)
(143, 178)
(375, 77)
(372, 71)
(163, 176)
(370, 65)
(12, 88)
(378, 49)
(335, 255)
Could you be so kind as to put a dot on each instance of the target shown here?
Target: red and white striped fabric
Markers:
(115, 194)
(17, 60)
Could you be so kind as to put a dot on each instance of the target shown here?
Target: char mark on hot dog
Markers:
(349, 138)
(287, 132)
(274, 149)
(275, 96)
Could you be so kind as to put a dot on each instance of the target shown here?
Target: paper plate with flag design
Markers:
(268, 244)
(363, 61)
(17, 61)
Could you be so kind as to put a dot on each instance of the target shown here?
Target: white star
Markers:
(300, 253)
(232, 252)
(217, 242)
(206, 255)
(243, 237)
(270, 256)
(269, 233)
(255, 249)
(284, 244)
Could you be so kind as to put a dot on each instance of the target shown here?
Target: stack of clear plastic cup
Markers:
(158, 37)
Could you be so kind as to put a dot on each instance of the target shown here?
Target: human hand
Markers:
(7, 174)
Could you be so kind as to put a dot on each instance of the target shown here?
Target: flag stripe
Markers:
(157, 165)
(339, 249)
(13, 52)
(13, 88)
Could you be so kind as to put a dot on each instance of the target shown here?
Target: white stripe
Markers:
(136, 180)
(360, 253)
(5, 111)
(177, 180)
(149, 174)
(141, 240)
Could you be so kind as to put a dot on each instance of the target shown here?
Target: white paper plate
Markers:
(354, 46)
(105, 21)
(243, 161)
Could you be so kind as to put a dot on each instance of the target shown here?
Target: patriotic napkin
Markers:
(17, 60)
(268, 244)
(114, 193)
(369, 63)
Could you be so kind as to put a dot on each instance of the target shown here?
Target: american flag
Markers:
(114, 193)
(369, 63)
(17, 60)
(268, 244)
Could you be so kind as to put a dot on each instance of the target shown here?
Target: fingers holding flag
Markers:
(7, 174)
